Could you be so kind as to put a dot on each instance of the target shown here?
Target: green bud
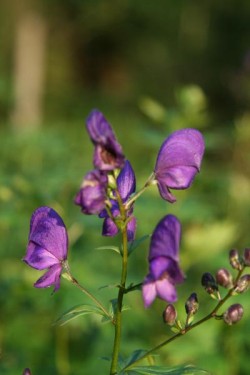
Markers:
(224, 278)
(233, 314)
(169, 315)
(243, 284)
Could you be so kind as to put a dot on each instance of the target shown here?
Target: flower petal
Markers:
(92, 194)
(47, 230)
(165, 239)
(131, 228)
(39, 258)
(178, 161)
(126, 181)
(148, 291)
(109, 228)
(166, 290)
(51, 277)
(108, 153)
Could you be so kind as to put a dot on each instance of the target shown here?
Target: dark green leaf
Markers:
(160, 370)
(137, 243)
(77, 311)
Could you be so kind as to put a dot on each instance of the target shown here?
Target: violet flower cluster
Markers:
(108, 191)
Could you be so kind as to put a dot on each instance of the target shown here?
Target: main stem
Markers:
(122, 290)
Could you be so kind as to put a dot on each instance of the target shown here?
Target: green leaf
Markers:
(113, 248)
(160, 370)
(77, 311)
(137, 243)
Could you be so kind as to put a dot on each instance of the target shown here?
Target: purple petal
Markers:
(126, 181)
(51, 277)
(166, 290)
(148, 291)
(39, 258)
(161, 266)
(178, 161)
(165, 240)
(109, 228)
(108, 153)
(47, 231)
(131, 229)
(92, 195)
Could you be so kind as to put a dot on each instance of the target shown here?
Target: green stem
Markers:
(122, 291)
(86, 292)
(185, 330)
(149, 182)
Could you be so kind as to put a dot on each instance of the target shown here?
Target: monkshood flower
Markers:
(164, 271)
(108, 153)
(126, 185)
(178, 161)
(92, 194)
(47, 247)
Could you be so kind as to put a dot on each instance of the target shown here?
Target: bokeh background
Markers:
(151, 67)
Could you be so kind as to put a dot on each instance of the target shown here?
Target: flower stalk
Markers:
(187, 328)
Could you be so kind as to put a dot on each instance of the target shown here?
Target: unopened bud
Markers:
(192, 304)
(233, 314)
(243, 284)
(169, 315)
(235, 260)
(209, 283)
(224, 278)
(247, 257)
(26, 371)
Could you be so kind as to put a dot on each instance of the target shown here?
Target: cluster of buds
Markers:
(237, 285)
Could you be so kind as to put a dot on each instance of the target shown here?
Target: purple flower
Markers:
(126, 186)
(108, 153)
(92, 194)
(26, 371)
(47, 247)
(178, 161)
(164, 271)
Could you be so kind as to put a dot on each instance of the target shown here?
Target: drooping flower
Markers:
(47, 247)
(126, 185)
(164, 271)
(92, 194)
(108, 154)
(178, 161)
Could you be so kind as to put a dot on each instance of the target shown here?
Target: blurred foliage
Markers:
(151, 68)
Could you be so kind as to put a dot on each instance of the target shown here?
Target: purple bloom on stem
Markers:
(126, 185)
(92, 194)
(164, 270)
(108, 153)
(178, 161)
(47, 247)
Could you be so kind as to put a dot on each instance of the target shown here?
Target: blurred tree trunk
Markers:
(29, 70)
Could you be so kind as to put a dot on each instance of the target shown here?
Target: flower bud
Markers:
(224, 278)
(235, 260)
(233, 314)
(247, 257)
(26, 371)
(243, 284)
(192, 304)
(169, 315)
(209, 283)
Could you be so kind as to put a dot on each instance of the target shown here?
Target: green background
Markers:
(151, 68)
